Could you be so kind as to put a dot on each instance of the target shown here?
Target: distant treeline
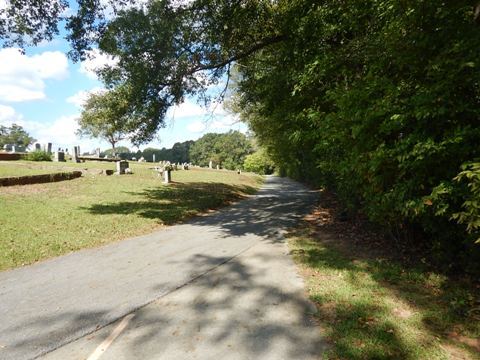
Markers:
(227, 150)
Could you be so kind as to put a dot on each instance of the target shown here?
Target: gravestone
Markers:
(49, 148)
(167, 176)
(76, 154)
(153, 160)
(122, 165)
(13, 149)
(97, 152)
(59, 156)
(210, 165)
(218, 167)
(38, 147)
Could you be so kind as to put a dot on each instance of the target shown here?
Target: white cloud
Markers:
(213, 118)
(80, 97)
(96, 60)
(196, 126)
(186, 109)
(8, 115)
(22, 77)
(60, 132)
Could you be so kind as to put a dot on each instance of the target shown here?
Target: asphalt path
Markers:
(221, 285)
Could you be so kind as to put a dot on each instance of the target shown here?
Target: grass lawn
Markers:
(374, 308)
(45, 220)
(24, 168)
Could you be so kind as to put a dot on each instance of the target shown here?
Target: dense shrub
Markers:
(259, 162)
(380, 101)
(38, 155)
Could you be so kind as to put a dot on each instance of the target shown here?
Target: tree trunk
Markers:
(112, 142)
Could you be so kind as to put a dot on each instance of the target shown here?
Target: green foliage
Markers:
(38, 155)
(14, 135)
(259, 162)
(227, 150)
(378, 100)
(106, 115)
(179, 153)
(470, 215)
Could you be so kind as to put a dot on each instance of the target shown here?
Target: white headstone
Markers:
(167, 176)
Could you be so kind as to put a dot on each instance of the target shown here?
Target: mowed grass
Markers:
(25, 168)
(45, 220)
(377, 309)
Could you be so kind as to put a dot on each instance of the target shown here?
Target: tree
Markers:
(105, 116)
(227, 150)
(122, 152)
(259, 162)
(14, 135)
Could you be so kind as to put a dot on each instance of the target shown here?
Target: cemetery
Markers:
(102, 201)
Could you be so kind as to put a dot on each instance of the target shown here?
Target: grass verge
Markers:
(44, 220)
(373, 307)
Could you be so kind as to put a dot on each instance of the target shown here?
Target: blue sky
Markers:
(42, 90)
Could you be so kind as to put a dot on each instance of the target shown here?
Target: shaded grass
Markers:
(377, 309)
(45, 220)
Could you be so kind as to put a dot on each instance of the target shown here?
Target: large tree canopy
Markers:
(377, 99)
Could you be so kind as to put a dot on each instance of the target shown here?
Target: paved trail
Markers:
(220, 286)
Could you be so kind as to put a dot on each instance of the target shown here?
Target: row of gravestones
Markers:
(19, 148)
(175, 166)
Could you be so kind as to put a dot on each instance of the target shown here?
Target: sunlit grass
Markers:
(373, 309)
(45, 220)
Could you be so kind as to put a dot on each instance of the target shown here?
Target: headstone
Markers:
(49, 148)
(142, 159)
(76, 154)
(153, 158)
(218, 167)
(122, 165)
(167, 176)
(97, 152)
(13, 149)
(210, 165)
(59, 156)
(38, 147)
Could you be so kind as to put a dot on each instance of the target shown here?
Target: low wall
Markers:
(93, 158)
(39, 179)
(10, 156)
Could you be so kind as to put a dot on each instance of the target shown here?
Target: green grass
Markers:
(45, 220)
(376, 309)
(24, 168)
